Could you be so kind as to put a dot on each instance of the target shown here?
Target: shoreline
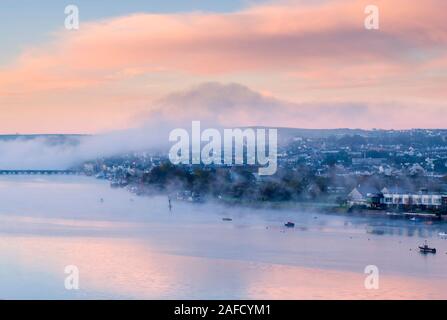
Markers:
(307, 205)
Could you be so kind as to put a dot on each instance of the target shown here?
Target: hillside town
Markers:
(378, 170)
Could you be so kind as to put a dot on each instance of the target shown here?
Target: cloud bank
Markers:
(105, 75)
(216, 105)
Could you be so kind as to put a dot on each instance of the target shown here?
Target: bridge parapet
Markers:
(39, 172)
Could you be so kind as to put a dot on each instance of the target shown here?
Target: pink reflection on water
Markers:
(125, 268)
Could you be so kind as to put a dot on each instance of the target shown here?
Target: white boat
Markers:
(442, 234)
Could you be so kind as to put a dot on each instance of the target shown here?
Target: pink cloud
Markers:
(267, 37)
(322, 46)
(228, 105)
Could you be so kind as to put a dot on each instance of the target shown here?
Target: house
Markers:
(422, 200)
(396, 198)
(416, 169)
(365, 196)
(368, 161)
(444, 203)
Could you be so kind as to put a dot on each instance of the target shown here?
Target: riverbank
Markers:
(315, 205)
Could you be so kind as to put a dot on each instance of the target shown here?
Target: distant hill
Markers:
(284, 134)
(49, 138)
(324, 133)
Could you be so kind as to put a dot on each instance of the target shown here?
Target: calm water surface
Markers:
(133, 247)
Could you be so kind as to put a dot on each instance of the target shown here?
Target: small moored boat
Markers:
(289, 225)
(426, 249)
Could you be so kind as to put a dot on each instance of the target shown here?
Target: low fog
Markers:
(215, 105)
(207, 103)
(42, 152)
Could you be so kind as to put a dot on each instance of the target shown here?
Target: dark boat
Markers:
(227, 219)
(426, 249)
(289, 225)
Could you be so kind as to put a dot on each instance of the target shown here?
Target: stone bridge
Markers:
(39, 172)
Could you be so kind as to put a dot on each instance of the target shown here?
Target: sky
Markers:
(302, 63)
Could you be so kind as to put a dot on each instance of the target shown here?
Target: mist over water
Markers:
(43, 153)
(214, 104)
(211, 103)
(129, 246)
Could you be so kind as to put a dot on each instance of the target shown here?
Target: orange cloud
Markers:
(323, 46)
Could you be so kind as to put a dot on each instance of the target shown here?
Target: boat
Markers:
(290, 225)
(442, 234)
(426, 249)
(421, 216)
(394, 215)
(227, 219)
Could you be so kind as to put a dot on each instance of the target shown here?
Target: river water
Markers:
(129, 247)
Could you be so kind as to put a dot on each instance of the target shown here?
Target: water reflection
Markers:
(123, 268)
(138, 249)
